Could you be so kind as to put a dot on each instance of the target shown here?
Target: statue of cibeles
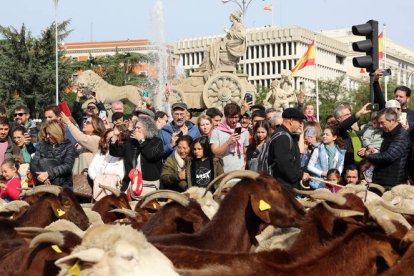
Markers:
(281, 94)
(228, 49)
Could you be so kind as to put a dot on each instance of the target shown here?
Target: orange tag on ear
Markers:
(56, 248)
(263, 205)
(60, 212)
(74, 270)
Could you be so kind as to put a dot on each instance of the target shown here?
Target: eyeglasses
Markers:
(90, 107)
(19, 114)
(87, 122)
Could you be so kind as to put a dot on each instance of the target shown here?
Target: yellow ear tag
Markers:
(263, 205)
(56, 248)
(154, 206)
(74, 270)
(60, 212)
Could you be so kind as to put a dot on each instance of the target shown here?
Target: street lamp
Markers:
(243, 5)
(56, 53)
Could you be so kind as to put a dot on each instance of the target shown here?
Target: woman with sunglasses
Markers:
(87, 140)
(93, 107)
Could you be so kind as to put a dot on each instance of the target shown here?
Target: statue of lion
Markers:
(106, 92)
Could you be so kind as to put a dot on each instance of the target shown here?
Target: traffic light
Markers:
(369, 46)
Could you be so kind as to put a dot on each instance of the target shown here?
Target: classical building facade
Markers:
(273, 49)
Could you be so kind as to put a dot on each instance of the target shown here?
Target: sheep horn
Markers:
(376, 186)
(177, 197)
(49, 237)
(340, 213)
(310, 193)
(214, 181)
(52, 189)
(31, 229)
(14, 206)
(335, 198)
(127, 212)
(396, 209)
(236, 174)
(113, 190)
(306, 203)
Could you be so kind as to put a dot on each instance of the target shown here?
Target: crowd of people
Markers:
(151, 149)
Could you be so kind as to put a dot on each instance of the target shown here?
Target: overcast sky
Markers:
(130, 19)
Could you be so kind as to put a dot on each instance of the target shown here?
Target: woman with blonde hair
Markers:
(87, 140)
(205, 125)
(54, 157)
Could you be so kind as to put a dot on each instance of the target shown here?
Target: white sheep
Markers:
(116, 250)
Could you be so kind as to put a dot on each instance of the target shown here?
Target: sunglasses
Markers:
(91, 107)
(87, 122)
(19, 114)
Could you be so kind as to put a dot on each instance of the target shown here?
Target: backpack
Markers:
(263, 165)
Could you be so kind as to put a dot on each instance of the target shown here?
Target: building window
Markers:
(294, 48)
(273, 50)
(257, 68)
(284, 49)
(279, 67)
(284, 64)
(257, 51)
(274, 67)
(290, 48)
(278, 49)
(268, 68)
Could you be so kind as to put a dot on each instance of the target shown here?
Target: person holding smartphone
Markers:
(229, 140)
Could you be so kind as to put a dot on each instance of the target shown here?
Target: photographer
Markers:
(93, 107)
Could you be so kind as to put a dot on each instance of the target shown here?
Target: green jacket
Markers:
(169, 175)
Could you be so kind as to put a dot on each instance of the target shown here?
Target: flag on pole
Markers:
(307, 59)
(268, 8)
(380, 45)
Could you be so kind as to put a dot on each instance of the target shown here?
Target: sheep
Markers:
(115, 250)
(357, 254)
(55, 203)
(184, 215)
(116, 200)
(253, 201)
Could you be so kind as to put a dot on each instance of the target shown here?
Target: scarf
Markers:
(26, 155)
(331, 155)
(180, 161)
(237, 146)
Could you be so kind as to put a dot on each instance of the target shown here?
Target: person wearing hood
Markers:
(170, 132)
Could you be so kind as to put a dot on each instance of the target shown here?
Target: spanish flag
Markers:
(268, 8)
(307, 59)
(380, 45)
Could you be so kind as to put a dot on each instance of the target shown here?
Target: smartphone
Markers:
(238, 130)
(387, 72)
(145, 94)
(102, 114)
(403, 117)
(248, 97)
(373, 107)
(179, 134)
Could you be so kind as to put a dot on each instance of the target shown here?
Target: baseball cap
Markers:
(293, 113)
(179, 105)
(392, 104)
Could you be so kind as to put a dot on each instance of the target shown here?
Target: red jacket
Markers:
(11, 191)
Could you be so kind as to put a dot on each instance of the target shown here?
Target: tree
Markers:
(27, 67)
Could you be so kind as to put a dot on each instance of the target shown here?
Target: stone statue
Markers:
(106, 92)
(281, 94)
(228, 49)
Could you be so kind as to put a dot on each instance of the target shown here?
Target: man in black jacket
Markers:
(284, 153)
(391, 159)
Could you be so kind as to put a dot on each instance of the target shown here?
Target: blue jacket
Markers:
(166, 134)
(318, 163)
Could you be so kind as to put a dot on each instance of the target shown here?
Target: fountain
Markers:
(159, 42)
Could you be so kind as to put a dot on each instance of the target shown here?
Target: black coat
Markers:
(286, 159)
(151, 157)
(390, 161)
(61, 158)
(344, 127)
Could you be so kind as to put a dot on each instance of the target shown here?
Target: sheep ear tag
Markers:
(56, 248)
(263, 205)
(74, 270)
(60, 212)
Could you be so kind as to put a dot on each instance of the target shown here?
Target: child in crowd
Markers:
(261, 134)
(334, 176)
(329, 155)
(9, 190)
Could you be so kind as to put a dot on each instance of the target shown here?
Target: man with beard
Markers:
(6, 142)
(21, 117)
(170, 132)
